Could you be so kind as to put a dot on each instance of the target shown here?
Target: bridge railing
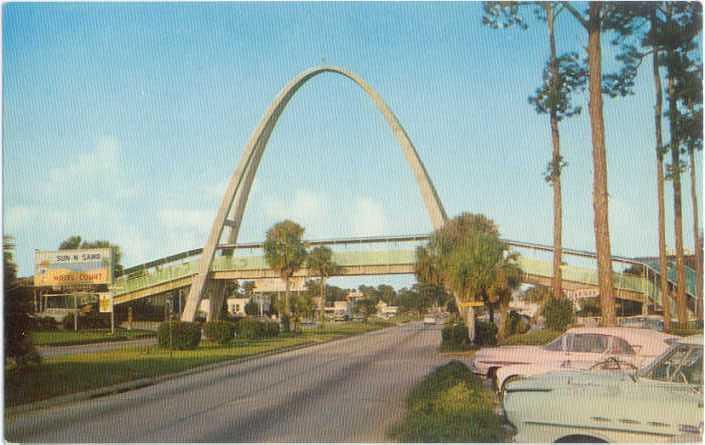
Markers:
(125, 284)
(624, 281)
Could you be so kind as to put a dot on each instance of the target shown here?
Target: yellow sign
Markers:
(73, 267)
(465, 304)
(105, 302)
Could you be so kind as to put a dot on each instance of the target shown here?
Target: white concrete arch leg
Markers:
(241, 181)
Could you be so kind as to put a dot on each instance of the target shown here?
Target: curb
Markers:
(149, 381)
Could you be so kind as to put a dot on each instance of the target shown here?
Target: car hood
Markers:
(605, 400)
(613, 383)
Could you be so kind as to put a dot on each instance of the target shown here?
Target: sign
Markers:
(73, 267)
(277, 284)
(578, 294)
(105, 302)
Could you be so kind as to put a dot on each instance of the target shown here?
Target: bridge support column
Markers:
(216, 297)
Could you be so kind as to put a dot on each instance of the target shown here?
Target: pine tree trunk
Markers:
(504, 323)
(599, 157)
(556, 282)
(287, 310)
(696, 237)
(663, 260)
(681, 302)
(322, 303)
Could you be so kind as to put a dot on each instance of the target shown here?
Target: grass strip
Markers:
(449, 405)
(58, 376)
(72, 338)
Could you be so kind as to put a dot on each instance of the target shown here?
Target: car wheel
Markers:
(579, 438)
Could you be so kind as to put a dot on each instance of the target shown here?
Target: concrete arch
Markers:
(241, 181)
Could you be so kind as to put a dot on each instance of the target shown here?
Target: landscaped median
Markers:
(65, 375)
(450, 405)
(84, 337)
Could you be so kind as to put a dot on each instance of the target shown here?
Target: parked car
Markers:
(661, 402)
(643, 321)
(429, 319)
(577, 348)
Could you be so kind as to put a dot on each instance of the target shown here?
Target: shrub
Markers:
(285, 324)
(252, 308)
(450, 405)
(219, 331)
(517, 324)
(485, 333)
(454, 337)
(271, 328)
(179, 335)
(47, 324)
(254, 329)
(67, 322)
(88, 321)
(44, 324)
(559, 313)
(684, 332)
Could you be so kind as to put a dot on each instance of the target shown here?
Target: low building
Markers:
(384, 310)
(236, 305)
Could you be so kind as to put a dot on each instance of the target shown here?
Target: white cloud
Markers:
(305, 207)
(19, 216)
(368, 218)
(87, 196)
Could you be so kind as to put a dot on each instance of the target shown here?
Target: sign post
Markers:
(75, 312)
(105, 304)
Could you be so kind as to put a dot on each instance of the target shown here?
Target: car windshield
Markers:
(555, 345)
(682, 364)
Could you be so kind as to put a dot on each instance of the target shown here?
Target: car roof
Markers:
(619, 331)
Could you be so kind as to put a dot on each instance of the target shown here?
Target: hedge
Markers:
(559, 313)
(90, 321)
(449, 405)
(219, 331)
(454, 337)
(179, 335)
(252, 329)
(485, 333)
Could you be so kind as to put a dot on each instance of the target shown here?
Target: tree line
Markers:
(667, 34)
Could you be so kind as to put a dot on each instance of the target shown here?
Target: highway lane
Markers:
(350, 390)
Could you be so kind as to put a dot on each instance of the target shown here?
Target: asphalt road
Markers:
(350, 390)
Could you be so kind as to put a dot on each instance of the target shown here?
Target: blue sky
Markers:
(125, 121)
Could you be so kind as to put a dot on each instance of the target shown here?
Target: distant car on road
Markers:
(577, 348)
(429, 319)
(661, 402)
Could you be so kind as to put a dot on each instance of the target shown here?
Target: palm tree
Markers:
(285, 252)
(320, 260)
(463, 257)
(507, 280)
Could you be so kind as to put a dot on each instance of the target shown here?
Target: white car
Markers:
(428, 319)
(577, 348)
(662, 402)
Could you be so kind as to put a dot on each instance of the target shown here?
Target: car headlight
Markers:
(692, 429)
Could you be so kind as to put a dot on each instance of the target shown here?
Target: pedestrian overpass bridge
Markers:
(384, 256)
(204, 271)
